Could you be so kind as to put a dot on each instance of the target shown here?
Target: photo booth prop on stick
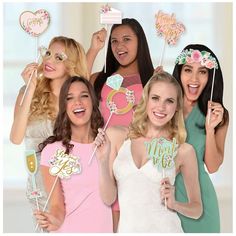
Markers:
(168, 27)
(34, 24)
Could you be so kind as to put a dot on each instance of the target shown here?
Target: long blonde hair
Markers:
(176, 126)
(43, 102)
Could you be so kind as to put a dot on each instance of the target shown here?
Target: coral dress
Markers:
(141, 210)
(209, 222)
(85, 210)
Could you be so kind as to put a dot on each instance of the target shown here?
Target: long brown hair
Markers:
(62, 127)
(217, 95)
(144, 60)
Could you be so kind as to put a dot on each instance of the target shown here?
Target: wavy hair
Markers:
(43, 102)
(218, 83)
(176, 127)
(145, 65)
(62, 128)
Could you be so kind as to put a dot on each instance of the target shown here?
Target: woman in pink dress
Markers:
(34, 116)
(75, 205)
(127, 55)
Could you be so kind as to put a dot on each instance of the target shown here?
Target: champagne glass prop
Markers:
(34, 24)
(62, 166)
(162, 152)
(32, 167)
(169, 28)
(109, 16)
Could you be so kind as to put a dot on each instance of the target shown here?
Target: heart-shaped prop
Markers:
(35, 23)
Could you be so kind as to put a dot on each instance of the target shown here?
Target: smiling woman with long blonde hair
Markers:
(146, 197)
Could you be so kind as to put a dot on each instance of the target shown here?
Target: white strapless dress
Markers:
(141, 210)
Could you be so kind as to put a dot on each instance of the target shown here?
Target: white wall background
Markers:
(207, 23)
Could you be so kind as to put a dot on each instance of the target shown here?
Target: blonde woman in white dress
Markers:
(147, 200)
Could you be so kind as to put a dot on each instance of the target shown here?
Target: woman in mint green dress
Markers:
(206, 123)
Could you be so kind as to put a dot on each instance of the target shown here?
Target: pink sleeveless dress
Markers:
(85, 210)
(125, 99)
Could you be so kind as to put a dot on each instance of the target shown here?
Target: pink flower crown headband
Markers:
(191, 55)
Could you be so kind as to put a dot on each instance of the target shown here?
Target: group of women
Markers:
(123, 190)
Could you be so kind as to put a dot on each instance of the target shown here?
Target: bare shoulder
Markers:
(186, 149)
(93, 78)
(117, 132)
(117, 136)
(186, 156)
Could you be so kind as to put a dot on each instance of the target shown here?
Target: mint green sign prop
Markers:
(162, 152)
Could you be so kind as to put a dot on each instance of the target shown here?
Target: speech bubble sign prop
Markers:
(168, 27)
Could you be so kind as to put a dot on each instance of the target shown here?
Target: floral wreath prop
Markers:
(191, 55)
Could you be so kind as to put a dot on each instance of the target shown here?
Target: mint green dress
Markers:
(209, 222)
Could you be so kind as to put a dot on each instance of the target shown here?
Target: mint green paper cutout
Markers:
(114, 81)
(162, 152)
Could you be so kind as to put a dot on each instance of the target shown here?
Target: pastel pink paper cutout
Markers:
(167, 26)
(35, 23)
